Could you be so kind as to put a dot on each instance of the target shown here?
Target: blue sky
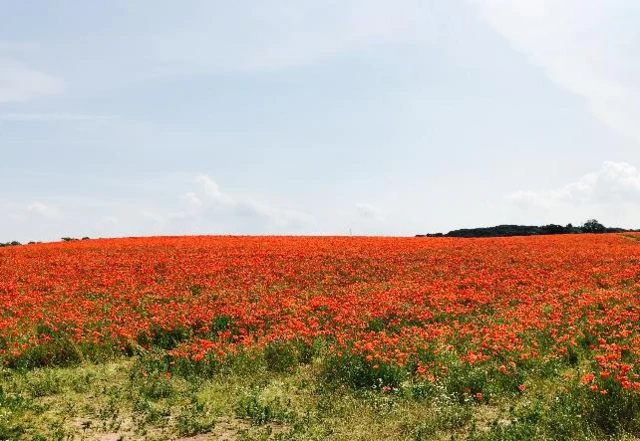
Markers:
(372, 117)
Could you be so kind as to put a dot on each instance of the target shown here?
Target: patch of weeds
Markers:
(44, 382)
(609, 411)
(260, 411)
(447, 416)
(464, 380)
(156, 386)
(261, 434)
(507, 432)
(150, 376)
(281, 356)
(532, 421)
(356, 372)
(158, 415)
(82, 383)
(11, 430)
(56, 352)
(194, 418)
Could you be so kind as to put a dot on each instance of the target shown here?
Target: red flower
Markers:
(587, 378)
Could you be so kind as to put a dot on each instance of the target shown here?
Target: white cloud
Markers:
(212, 190)
(192, 200)
(206, 208)
(615, 183)
(589, 47)
(197, 206)
(370, 211)
(20, 83)
(215, 202)
(47, 211)
(276, 216)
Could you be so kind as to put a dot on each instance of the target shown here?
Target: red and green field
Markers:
(309, 338)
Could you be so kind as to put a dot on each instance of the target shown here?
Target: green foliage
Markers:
(593, 226)
(151, 377)
(9, 244)
(44, 382)
(57, 352)
(613, 413)
(445, 416)
(511, 230)
(254, 409)
(590, 226)
(11, 430)
(194, 419)
(356, 372)
(463, 381)
(281, 356)
(526, 423)
(165, 338)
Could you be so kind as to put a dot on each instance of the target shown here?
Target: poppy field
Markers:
(438, 338)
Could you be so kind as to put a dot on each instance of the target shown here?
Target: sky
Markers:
(363, 117)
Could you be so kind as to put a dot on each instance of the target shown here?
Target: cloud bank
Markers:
(610, 194)
(614, 183)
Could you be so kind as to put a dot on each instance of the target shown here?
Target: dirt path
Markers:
(226, 429)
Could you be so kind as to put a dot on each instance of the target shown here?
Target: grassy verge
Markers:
(267, 399)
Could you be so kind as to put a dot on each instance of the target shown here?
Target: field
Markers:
(314, 338)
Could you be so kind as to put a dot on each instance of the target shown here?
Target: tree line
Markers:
(590, 226)
(14, 243)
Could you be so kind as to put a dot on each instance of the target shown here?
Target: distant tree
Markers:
(9, 244)
(553, 229)
(593, 226)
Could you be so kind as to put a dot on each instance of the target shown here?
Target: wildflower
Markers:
(587, 378)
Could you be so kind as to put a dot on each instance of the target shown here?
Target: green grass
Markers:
(254, 398)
